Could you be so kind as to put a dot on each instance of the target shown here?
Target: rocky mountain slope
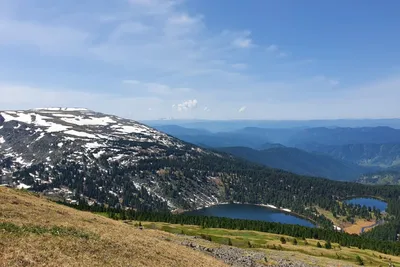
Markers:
(73, 152)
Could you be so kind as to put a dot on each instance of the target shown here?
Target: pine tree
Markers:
(328, 245)
(359, 260)
(319, 245)
(295, 242)
(229, 242)
(283, 240)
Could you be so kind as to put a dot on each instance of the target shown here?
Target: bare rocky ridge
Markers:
(104, 158)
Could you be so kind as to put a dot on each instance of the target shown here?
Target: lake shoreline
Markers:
(269, 207)
(287, 211)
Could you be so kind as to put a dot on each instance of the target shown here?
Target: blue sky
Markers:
(204, 59)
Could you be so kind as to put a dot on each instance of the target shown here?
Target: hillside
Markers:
(299, 161)
(77, 151)
(379, 155)
(381, 178)
(37, 232)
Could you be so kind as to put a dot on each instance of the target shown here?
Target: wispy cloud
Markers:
(243, 40)
(186, 105)
(242, 109)
(276, 50)
(272, 48)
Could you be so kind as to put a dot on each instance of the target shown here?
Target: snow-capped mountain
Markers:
(73, 152)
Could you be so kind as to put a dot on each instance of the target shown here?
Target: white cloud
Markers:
(242, 109)
(242, 42)
(182, 19)
(186, 105)
(241, 39)
(272, 48)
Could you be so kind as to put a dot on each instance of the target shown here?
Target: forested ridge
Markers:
(246, 182)
(221, 176)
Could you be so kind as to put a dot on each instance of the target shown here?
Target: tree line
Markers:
(331, 236)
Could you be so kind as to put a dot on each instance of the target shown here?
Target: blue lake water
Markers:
(369, 202)
(251, 212)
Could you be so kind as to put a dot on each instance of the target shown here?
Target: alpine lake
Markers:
(268, 214)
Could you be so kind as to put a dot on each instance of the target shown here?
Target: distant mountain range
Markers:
(309, 138)
(336, 153)
(300, 162)
(232, 125)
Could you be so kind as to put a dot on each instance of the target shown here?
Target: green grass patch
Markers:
(261, 240)
(41, 230)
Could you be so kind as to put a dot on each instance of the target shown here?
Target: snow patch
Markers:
(80, 134)
(61, 109)
(132, 129)
(57, 128)
(23, 186)
(98, 154)
(93, 145)
(103, 121)
(116, 158)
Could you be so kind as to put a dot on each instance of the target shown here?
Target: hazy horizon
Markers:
(148, 59)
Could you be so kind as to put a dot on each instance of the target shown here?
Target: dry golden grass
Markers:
(348, 227)
(358, 225)
(111, 243)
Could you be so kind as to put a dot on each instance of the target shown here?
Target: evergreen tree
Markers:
(319, 245)
(283, 240)
(328, 245)
(359, 260)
